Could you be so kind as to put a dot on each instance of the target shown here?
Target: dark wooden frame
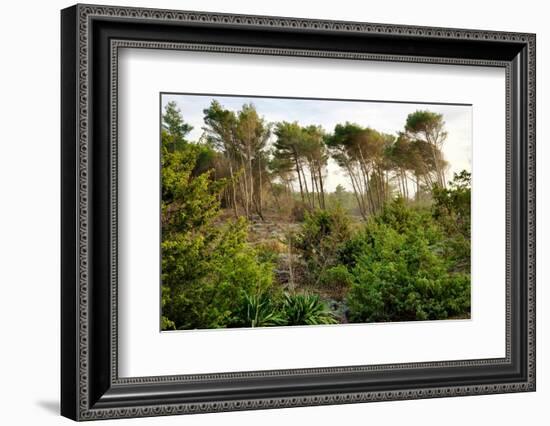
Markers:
(90, 386)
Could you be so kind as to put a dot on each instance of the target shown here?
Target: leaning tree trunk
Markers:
(259, 192)
(244, 183)
(305, 187)
(360, 201)
(275, 196)
(250, 168)
(299, 178)
(314, 185)
(322, 188)
(233, 189)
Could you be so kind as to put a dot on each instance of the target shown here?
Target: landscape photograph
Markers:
(279, 212)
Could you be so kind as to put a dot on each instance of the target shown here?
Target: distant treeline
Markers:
(264, 161)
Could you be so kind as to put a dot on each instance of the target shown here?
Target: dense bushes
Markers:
(318, 241)
(205, 277)
(207, 268)
(451, 209)
(404, 263)
(336, 281)
(212, 277)
(399, 270)
(400, 265)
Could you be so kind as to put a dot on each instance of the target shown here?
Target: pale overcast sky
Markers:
(382, 116)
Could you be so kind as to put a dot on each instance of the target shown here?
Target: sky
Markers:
(387, 117)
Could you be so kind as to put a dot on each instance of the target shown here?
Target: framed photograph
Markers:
(263, 212)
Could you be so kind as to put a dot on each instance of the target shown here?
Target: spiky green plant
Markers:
(258, 311)
(306, 309)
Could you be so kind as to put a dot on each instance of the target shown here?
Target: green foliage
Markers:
(351, 143)
(206, 162)
(451, 208)
(289, 139)
(345, 135)
(428, 130)
(174, 129)
(298, 149)
(240, 138)
(320, 237)
(424, 121)
(306, 309)
(399, 272)
(252, 132)
(272, 309)
(259, 310)
(166, 324)
(221, 126)
(363, 153)
(207, 268)
(206, 276)
(188, 201)
(336, 281)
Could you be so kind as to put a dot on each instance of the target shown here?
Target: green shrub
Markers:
(347, 253)
(258, 311)
(451, 209)
(166, 324)
(306, 309)
(206, 268)
(272, 309)
(400, 273)
(206, 278)
(319, 239)
(336, 281)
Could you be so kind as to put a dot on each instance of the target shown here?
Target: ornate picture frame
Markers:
(91, 37)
